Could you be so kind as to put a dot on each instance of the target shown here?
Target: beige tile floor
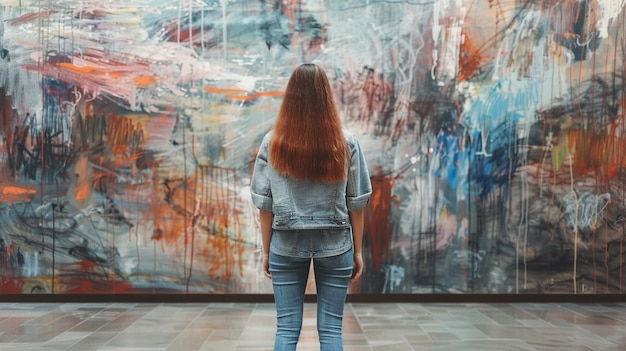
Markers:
(367, 326)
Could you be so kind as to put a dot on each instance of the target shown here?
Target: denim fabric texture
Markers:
(311, 243)
(305, 204)
(289, 279)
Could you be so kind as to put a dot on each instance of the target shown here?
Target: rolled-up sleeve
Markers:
(261, 187)
(359, 187)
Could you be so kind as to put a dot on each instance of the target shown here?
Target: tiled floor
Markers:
(389, 327)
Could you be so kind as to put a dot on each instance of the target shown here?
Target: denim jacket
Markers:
(311, 219)
(305, 204)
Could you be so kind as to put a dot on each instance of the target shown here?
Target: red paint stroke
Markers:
(6, 117)
(99, 286)
(30, 17)
(173, 32)
(11, 285)
(85, 277)
(378, 230)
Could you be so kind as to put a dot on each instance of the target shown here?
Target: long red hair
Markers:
(307, 141)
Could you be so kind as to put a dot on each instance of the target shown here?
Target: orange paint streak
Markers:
(82, 192)
(125, 135)
(219, 217)
(13, 190)
(82, 188)
(179, 208)
(95, 71)
(171, 213)
(469, 58)
(13, 194)
(79, 69)
(240, 97)
(144, 81)
(271, 93)
(596, 150)
(223, 91)
(222, 260)
(169, 225)
(233, 94)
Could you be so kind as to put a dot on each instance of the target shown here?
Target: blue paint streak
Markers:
(479, 167)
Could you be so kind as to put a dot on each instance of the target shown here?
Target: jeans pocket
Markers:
(285, 242)
(335, 240)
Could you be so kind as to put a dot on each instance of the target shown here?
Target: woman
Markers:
(310, 183)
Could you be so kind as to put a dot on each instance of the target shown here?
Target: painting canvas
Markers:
(494, 133)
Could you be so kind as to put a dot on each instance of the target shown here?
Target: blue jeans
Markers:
(289, 279)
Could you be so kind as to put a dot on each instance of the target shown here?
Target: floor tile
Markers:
(367, 327)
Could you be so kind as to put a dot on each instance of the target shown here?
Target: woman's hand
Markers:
(266, 265)
(357, 268)
(266, 237)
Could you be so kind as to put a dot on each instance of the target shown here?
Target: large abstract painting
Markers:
(494, 132)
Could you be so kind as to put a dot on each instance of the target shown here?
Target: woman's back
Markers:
(310, 204)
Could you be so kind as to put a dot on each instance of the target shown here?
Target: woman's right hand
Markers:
(266, 266)
(357, 267)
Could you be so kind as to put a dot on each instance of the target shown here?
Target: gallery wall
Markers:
(494, 133)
